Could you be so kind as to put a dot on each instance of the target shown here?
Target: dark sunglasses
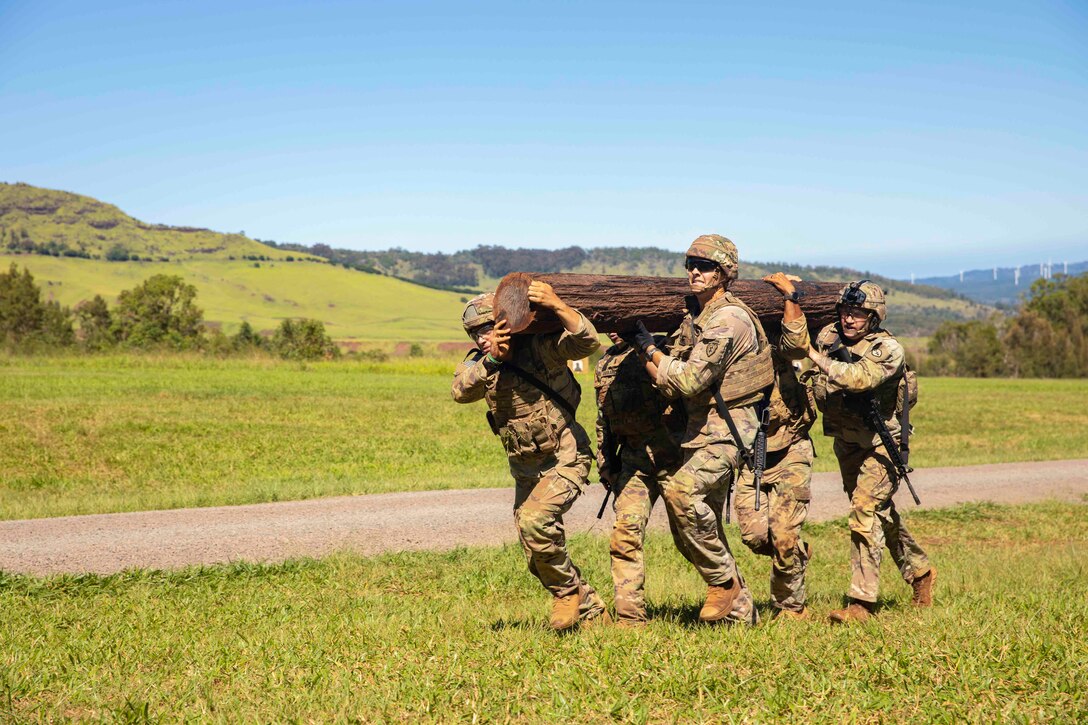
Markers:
(483, 330)
(703, 265)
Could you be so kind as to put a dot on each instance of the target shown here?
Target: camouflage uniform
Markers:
(633, 416)
(775, 530)
(867, 472)
(730, 354)
(549, 452)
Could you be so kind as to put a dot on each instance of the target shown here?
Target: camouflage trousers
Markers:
(695, 500)
(874, 522)
(775, 530)
(635, 491)
(546, 488)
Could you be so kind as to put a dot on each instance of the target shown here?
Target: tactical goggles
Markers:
(854, 295)
(483, 330)
(703, 265)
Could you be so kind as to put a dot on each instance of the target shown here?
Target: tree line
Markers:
(158, 314)
(1046, 338)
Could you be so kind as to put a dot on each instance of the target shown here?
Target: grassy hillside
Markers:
(352, 304)
(36, 219)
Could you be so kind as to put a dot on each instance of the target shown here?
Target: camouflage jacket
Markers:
(632, 414)
(792, 403)
(879, 363)
(723, 334)
(526, 420)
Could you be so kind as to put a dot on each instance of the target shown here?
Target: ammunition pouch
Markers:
(534, 435)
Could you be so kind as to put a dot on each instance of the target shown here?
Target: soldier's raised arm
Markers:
(578, 338)
(471, 376)
(795, 336)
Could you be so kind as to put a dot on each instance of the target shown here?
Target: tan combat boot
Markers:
(787, 615)
(565, 611)
(719, 601)
(923, 588)
(631, 623)
(601, 620)
(853, 612)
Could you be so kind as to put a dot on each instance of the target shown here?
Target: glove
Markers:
(643, 338)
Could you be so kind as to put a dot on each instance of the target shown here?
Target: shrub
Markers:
(159, 313)
(27, 320)
(304, 340)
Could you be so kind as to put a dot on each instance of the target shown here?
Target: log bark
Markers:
(614, 303)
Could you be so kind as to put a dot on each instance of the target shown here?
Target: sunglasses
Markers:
(483, 330)
(703, 265)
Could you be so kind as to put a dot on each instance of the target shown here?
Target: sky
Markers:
(897, 137)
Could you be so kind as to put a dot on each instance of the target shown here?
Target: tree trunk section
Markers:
(614, 303)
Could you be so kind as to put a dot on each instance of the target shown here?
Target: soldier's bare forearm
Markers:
(791, 312)
(569, 317)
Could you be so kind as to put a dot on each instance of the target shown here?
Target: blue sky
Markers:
(896, 137)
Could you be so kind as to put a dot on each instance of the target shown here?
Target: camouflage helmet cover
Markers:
(479, 311)
(716, 248)
(866, 295)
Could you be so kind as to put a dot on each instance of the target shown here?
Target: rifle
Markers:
(755, 457)
(904, 426)
(612, 458)
(874, 421)
(759, 450)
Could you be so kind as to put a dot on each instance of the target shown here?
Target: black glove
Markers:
(643, 338)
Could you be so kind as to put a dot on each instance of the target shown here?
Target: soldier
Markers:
(721, 381)
(531, 398)
(775, 529)
(637, 448)
(868, 477)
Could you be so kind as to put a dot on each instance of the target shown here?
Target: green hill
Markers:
(60, 223)
(352, 305)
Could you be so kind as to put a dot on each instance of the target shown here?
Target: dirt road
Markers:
(108, 543)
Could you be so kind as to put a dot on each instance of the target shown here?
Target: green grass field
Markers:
(461, 637)
(121, 433)
(352, 304)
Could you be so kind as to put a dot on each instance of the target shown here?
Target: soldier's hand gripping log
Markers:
(874, 421)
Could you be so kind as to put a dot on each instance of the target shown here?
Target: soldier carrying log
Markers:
(721, 381)
(532, 397)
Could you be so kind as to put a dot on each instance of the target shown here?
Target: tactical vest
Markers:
(527, 421)
(627, 397)
(843, 412)
(745, 380)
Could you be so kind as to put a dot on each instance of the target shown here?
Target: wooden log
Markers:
(614, 303)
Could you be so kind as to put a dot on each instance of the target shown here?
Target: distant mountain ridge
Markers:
(60, 224)
(1002, 286)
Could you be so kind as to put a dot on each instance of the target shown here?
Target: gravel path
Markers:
(107, 543)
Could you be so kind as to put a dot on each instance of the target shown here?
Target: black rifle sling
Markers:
(723, 411)
(542, 386)
(904, 424)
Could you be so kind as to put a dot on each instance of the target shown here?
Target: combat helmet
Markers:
(865, 294)
(716, 248)
(479, 311)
